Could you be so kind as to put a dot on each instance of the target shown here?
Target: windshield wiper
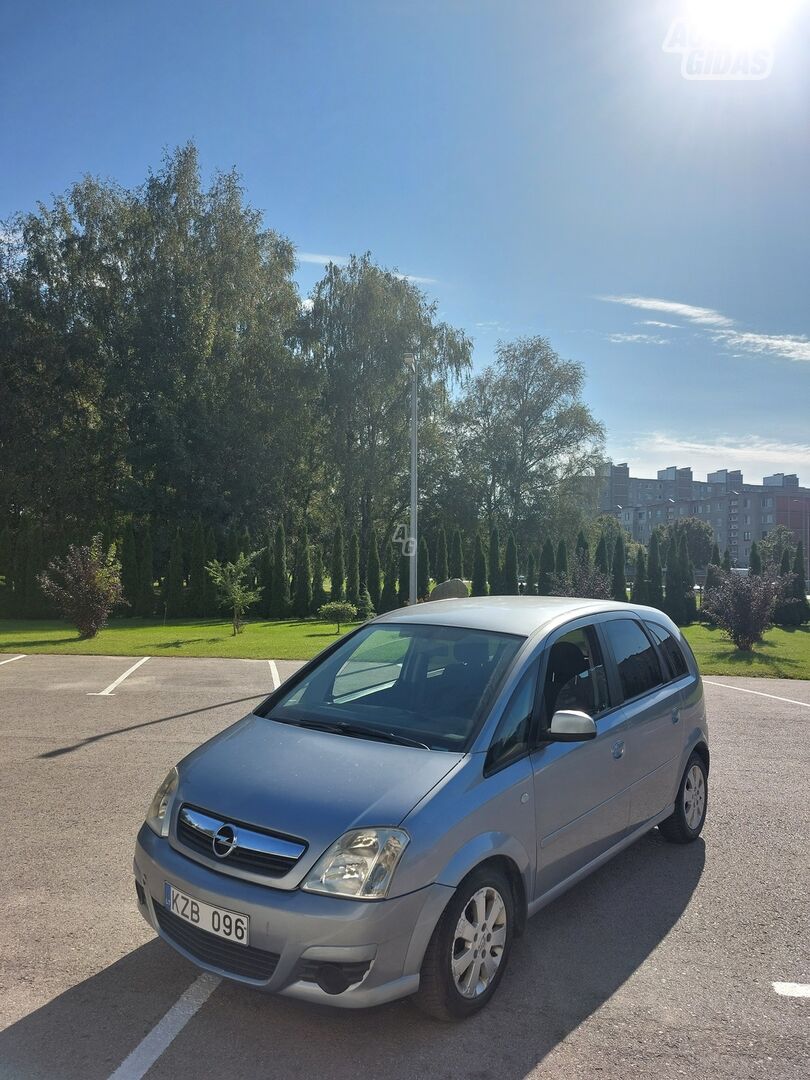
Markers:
(342, 727)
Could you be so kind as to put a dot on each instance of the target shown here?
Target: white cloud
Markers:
(788, 346)
(756, 455)
(638, 339)
(699, 315)
(416, 279)
(321, 260)
(655, 322)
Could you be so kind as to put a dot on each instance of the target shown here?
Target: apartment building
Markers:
(739, 513)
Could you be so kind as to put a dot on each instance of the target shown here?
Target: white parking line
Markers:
(11, 658)
(274, 674)
(759, 693)
(792, 989)
(107, 692)
(146, 1053)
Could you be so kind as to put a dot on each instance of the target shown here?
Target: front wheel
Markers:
(469, 950)
(685, 823)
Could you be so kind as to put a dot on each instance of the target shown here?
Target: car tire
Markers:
(685, 824)
(453, 983)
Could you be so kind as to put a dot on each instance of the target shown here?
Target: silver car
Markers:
(386, 821)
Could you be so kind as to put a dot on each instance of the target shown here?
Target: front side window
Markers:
(512, 737)
(575, 675)
(422, 684)
(636, 658)
(671, 650)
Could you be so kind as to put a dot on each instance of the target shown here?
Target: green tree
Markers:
(302, 603)
(337, 611)
(601, 560)
(479, 573)
(510, 568)
(233, 547)
(582, 549)
(801, 612)
(456, 563)
(353, 571)
(388, 599)
(265, 577)
(373, 570)
(197, 574)
(773, 546)
(210, 601)
(173, 584)
(618, 578)
(640, 591)
(319, 597)
(338, 575)
(548, 566)
(687, 574)
(531, 576)
(562, 557)
(231, 580)
(130, 573)
(146, 592)
(281, 582)
(423, 570)
(655, 580)
(441, 572)
(495, 576)
(714, 558)
(726, 560)
(754, 559)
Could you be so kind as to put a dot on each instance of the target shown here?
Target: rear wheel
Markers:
(469, 950)
(686, 822)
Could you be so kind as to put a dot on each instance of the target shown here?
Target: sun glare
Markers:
(741, 24)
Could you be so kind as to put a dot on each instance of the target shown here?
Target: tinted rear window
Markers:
(671, 650)
(636, 658)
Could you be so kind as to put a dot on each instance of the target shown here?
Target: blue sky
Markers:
(546, 167)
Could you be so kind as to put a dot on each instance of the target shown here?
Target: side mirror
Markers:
(570, 726)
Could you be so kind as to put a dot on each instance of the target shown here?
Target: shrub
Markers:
(742, 607)
(231, 581)
(582, 579)
(337, 611)
(85, 585)
(365, 606)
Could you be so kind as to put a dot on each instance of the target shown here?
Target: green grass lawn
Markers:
(783, 654)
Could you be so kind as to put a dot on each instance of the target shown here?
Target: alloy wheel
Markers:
(478, 942)
(694, 797)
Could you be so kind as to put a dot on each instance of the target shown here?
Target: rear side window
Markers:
(671, 650)
(635, 655)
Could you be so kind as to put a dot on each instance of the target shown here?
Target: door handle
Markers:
(618, 748)
(676, 715)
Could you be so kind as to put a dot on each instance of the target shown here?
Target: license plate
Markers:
(230, 925)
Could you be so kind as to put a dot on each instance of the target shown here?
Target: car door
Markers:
(581, 788)
(650, 707)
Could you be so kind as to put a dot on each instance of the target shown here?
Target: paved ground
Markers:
(660, 965)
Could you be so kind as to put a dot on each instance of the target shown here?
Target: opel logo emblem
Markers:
(224, 841)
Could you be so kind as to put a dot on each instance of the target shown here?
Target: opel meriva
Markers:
(385, 822)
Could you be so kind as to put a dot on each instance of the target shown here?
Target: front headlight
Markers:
(159, 812)
(360, 864)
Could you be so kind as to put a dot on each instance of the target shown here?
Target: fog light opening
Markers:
(332, 979)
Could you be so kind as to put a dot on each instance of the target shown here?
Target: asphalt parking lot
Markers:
(662, 964)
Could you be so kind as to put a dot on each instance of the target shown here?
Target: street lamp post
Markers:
(410, 360)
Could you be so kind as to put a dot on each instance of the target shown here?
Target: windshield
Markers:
(425, 685)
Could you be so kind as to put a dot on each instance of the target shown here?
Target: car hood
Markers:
(308, 784)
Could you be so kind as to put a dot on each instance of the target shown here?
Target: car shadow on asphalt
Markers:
(574, 957)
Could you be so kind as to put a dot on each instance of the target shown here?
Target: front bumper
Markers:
(383, 942)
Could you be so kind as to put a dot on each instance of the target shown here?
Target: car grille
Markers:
(241, 960)
(256, 851)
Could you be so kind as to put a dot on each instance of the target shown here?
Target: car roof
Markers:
(504, 614)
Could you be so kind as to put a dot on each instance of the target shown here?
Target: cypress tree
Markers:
(562, 557)
(303, 577)
(35, 561)
(232, 545)
(373, 570)
(388, 598)
(531, 576)
(209, 589)
(755, 560)
(727, 560)
(673, 583)
(173, 584)
(783, 611)
(655, 584)
(442, 573)
(618, 578)
(245, 542)
(423, 570)
(801, 611)
(266, 577)
(280, 595)
(456, 564)
(6, 550)
(130, 574)
(714, 558)
(583, 548)
(547, 568)
(404, 589)
(353, 570)
(338, 574)
(687, 574)
(146, 566)
(479, 573)
(18, 569)
(196, 571)
(640, 595)
(318, 591)
(510, 567)
(601, 561)
(494, 561)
